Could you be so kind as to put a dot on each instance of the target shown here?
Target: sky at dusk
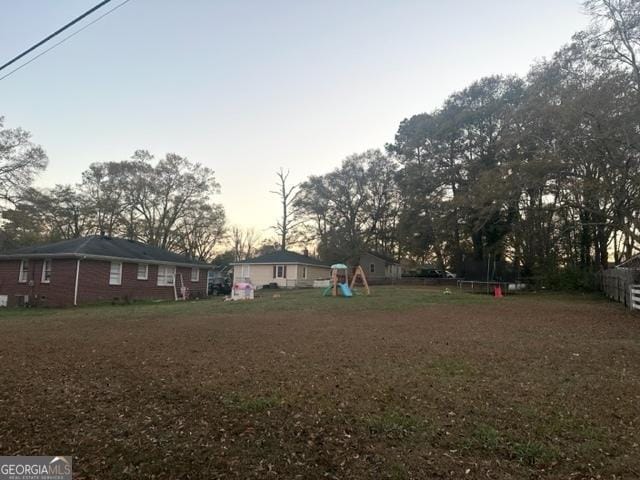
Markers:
(246, 87)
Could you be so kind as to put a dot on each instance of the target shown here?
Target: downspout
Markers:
(75, 292)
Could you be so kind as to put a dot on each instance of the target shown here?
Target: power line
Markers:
(61, 41)
(60, 30)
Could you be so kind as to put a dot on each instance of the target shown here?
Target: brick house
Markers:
(97, 268)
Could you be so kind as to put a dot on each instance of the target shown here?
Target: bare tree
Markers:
(20, 162)
(615, 32)
(287, 225)
(102, 188)
(243, 242)
(201, 230)
(161, 195)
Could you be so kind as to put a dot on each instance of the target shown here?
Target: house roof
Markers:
(281, 257)
(382, 256)
(633, 262)
(104, 248)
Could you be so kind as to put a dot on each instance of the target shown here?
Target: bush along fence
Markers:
(621, 285)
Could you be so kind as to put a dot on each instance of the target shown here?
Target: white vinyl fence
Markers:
(635, 297)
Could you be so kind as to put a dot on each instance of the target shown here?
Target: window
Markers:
(304, 273)
(46, 271)
(279, 271)
(195, 274)
(143, 271)
(115, 274)
(372, 268)
(24, 271)
(244, 273)
(166, 275)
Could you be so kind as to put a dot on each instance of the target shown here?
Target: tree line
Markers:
(541, 173)
(165, 202)
(538, 174)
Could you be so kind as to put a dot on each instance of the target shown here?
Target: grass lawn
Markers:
(405, 384)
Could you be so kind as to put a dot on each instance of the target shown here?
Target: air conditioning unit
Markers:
(22, 300)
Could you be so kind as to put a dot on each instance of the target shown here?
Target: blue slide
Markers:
(345, 290)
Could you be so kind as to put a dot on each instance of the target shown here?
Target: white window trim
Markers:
(119, 275)
(23, 263)
(304, 272)
(42, 277)
(163, 277)
(146, 271)
(241, 273)
(280, 268)
(197, 272)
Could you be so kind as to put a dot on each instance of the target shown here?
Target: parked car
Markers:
(429, 273)
(220, 286)
(433, 273)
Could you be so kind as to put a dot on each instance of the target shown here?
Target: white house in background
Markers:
(285, 268)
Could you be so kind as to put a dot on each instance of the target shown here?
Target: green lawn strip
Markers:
(383, 298)
(535, 438)
(250, 403)
(449, 367)
(394, 423)
(511, 445)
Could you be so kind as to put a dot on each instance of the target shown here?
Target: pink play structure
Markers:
(242, 291)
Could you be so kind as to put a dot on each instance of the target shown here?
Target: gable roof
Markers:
(382, 256)
(283, 256)
(100, 247)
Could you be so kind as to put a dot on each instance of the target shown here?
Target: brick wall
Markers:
(59, 292)
(93, 285)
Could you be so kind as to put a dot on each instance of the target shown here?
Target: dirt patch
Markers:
(544, 387)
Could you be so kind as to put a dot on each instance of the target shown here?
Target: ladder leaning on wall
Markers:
(181, 294)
